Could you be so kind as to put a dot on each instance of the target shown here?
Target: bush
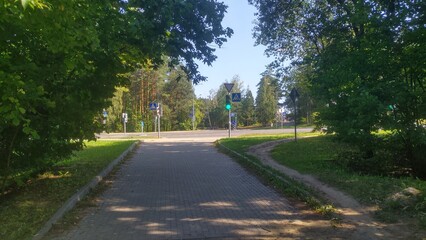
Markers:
(419, 161)
(380, 164)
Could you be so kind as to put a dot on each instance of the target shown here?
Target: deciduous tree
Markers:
(365, 59)
(61, 60)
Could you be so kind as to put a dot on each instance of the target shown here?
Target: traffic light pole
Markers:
(229, 123)
(159, 127)
(294, 95)
(228, 105)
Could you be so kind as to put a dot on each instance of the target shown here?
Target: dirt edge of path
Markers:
(347, 207)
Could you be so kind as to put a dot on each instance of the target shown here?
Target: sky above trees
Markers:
(238, 56)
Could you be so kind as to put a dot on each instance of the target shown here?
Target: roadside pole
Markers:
(159, 122)
(228, 105)
(295, 118)
(124, 115)
(294, 94)
(159, 119)
(229, 123)
(193, 115)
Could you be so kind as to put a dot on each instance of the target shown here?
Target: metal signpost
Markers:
(105, 114)
(156, 108)
(124, 121)
(294, 95)
(229, 87)
(159, 119)
(142, 125)
(193, 115)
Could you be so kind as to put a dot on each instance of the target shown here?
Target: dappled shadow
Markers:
(190, 191)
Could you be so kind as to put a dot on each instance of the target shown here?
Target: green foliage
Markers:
(320, 156)
(178, 95)
(266, 100)
(362, 57)
(61, 60)
(216, 113)
(248, 114)
(299, 78)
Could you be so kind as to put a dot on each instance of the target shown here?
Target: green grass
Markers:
(24, 212)
(285, 126)
(307, 155)
(279, 181)
(315, 156)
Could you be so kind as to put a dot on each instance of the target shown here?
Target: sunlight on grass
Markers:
(316, 155)
(25, 211)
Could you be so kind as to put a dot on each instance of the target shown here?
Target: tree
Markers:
(178, 97)
(61, 60)
(248, 114)
(218, 113)
(365, 60)
(236, 106)
(266, 100)
(299, 77)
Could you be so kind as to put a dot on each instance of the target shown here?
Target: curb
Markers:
(72, 201)
(270, 172)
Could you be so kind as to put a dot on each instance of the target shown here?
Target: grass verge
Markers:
(24, 212)
(237, 148)
(316, 156)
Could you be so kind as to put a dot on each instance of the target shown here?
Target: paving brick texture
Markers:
(188, 190)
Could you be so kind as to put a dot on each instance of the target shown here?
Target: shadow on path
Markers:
(188, 190)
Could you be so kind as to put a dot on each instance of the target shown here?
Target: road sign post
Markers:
(159, 119)
(193, 115)
(294, 94)
(229, 87)
(124, 115)
(229, 123)
(142, 125)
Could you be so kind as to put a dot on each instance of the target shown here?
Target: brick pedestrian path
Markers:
(188, 190)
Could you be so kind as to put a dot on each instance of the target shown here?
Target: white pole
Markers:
(229, 123)
(193, 115)
(159, 119)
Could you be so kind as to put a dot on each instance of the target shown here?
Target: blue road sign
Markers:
(236, 97)
(153, 106)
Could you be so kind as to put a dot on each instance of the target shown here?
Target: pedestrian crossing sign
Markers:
(236, 97)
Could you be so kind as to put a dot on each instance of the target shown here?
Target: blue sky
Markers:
(238, 56)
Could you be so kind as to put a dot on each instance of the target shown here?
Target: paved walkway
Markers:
(188, 190)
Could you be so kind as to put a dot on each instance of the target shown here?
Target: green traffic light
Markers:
(228, 102)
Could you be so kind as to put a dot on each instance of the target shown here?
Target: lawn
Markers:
(24, 212)
(278, 180)
(316, 155)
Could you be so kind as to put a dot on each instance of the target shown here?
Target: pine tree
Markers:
(266, 102)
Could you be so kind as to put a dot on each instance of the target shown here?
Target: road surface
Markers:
(200, 134)
(176, 189)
